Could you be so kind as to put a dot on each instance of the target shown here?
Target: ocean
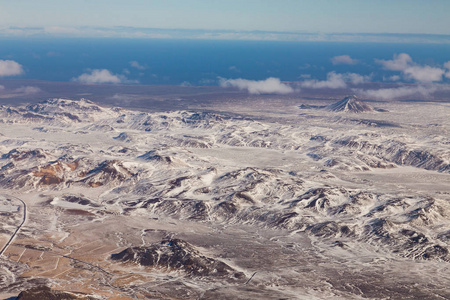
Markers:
(202, 62)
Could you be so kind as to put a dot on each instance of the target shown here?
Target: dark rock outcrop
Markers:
(44, 292)
(176, 254)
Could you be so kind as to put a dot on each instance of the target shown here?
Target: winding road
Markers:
(19, 227)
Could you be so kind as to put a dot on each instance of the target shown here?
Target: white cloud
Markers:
(100, 76)
(269, 86)
(447, 65)
(399, 63)
(28, 90)
(356, 78)
(2, 87)
(137, 65)
(335, 81)
(343, 60)
(423, 73)
(10, 68)
(412, 71)
(398, 92)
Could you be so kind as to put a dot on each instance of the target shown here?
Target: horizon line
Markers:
(130, 32)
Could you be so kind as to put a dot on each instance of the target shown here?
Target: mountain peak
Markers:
(350, 104)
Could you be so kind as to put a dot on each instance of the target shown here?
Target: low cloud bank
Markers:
(196, 34)
(268, 86)
(412, 71)
(335, 81)
(10, 68)
(343, 60)
(402, 91)
(28, 90)
(100, 76)
(21, 91)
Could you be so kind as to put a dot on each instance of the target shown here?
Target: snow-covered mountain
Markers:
(350, 104)
(344, 185)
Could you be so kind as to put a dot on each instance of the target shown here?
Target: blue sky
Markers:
(327, 16)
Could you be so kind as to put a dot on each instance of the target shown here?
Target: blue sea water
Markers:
(201, 62)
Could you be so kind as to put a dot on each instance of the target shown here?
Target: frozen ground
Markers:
(287, 202)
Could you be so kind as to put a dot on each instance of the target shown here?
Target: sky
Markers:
(327, 16)
(245, 66)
